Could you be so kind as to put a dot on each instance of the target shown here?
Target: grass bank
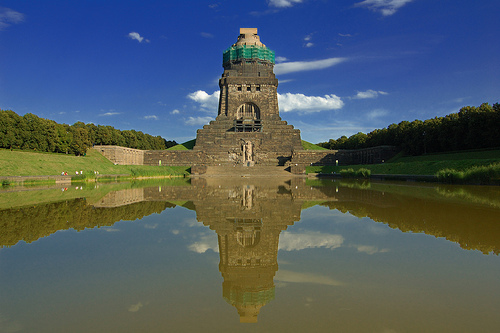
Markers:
(476, 167)
(26, 163)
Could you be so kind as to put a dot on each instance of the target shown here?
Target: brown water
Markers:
(251, 256)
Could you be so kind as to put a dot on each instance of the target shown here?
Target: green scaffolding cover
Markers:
(248, 52)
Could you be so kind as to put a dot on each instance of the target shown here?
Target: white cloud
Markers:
(198, 121)
(137, 37)
(207, 35)
(209, 103)
(151, 117)
(175, 112)
(110, 113)
(291, 241)
(298, 66)
(206, 242)
(109, 229)
(296, 277)
(369, 94)
(377, 113)
(9, 17)
(280, 59)
(287, 102)
(370, 249)
(306, 104)
(386, 7)
(308, 39)
(135, 307)
(283, 3)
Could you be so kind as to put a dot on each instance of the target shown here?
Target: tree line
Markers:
(32, 223)
(470, 128)
(31, 132)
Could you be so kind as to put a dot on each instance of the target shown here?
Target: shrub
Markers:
(348, 173)
(475, 175)
(363, 173)
(451, 176)
(360, 173)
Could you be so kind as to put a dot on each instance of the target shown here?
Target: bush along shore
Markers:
(464, 167)
(482, 175)
(476, 175)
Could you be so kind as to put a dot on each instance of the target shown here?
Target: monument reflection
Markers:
(248, 220)
(248, 216)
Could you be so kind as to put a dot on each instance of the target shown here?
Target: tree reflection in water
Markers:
(248, 217)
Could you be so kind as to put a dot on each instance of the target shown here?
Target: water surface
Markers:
(251, 256)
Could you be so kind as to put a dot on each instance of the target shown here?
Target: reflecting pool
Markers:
(250, 255)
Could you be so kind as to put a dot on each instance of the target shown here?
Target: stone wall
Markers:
(314, 157)
(122, 155)
(172, 157)
(225, 150)
(372, 155)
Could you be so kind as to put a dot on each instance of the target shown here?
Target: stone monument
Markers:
(248, 130)
(248, 135)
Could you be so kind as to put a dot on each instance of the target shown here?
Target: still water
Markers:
(245, 255)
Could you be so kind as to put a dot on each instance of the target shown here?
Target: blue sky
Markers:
(343, 66)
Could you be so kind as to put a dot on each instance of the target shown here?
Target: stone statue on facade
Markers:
(247, 152)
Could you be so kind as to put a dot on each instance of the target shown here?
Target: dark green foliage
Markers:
(31, 223)
(470, 128)
(31, 132)
(351, 173)
(476, 175)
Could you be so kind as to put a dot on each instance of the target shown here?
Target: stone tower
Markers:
(248, 130)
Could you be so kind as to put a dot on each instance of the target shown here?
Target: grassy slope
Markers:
(311, 146)
(26, 163)
(422, 165)
(184, 146)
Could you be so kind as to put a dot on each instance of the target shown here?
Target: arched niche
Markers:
(248, 111)
(247, 231)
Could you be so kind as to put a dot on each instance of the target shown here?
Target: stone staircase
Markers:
(244, 171)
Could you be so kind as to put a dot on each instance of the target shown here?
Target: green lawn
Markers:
(27, 163)
(421, 165)
(188, 145)
(311, 146)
